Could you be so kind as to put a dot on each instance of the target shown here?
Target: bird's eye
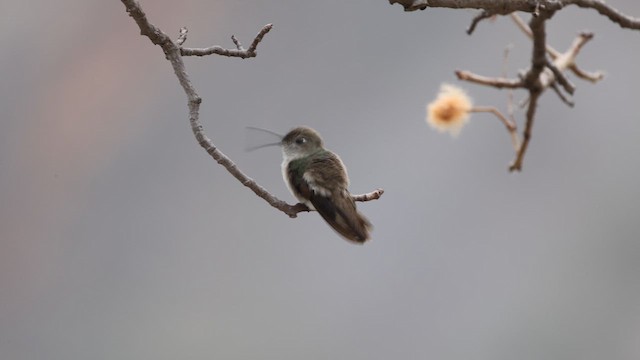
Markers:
(301, 140)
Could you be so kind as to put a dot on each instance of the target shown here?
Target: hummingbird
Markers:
(318, 178)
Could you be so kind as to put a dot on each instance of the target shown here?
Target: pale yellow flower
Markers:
(450, 110)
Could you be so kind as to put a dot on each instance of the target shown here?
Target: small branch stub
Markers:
(239, 51)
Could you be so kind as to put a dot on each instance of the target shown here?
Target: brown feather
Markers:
(324, 184)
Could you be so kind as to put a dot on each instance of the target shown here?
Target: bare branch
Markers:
(237, 52)
(237, 42)
(182, 36)
(411, 5)
(526, 135)
(560, 78)
(522, 25)
(293, 210)
(561, 62)
(510, 125)
(532, 81)
(374, 195)
(593, 77)
(573, 50)
(562, 97)
(497, 6)
(510, 107)
(538, 56)
(489, 81)
(504, 7)
(174, 54)
(543, 73)
(258, 38)
(614, 15)
(476, 19)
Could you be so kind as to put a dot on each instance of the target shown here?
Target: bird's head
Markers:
(300, 142)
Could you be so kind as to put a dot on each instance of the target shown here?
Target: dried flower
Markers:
(450, 110)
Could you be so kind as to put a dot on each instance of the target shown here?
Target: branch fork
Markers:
(547, 70)
(544, 72)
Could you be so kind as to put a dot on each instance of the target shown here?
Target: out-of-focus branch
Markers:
(174, 52)
(543, 72)
(613, 14)
(504, 7)
(562, 96)
(411, 5)
(489, 81)
(533, 82)
(510, 125)
(484, 14)
(559, 77)
(182, 36)
(570, 54)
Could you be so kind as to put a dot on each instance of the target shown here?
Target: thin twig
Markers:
(526, 135)
(510, 125)
(476, 19)
(237, 43)
(182, 36)
(522, 25)
(490, 81)
(237, 52)
(505, 63)
(374, 195)
(562, 97)
(560, 78)
(613, 14)
(593, 77)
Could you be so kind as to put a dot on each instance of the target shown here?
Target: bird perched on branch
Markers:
(318, 178)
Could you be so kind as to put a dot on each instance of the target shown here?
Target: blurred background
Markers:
(120, 238)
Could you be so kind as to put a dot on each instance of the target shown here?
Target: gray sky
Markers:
(121, 239)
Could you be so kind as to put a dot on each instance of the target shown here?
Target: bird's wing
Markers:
(323, 183)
